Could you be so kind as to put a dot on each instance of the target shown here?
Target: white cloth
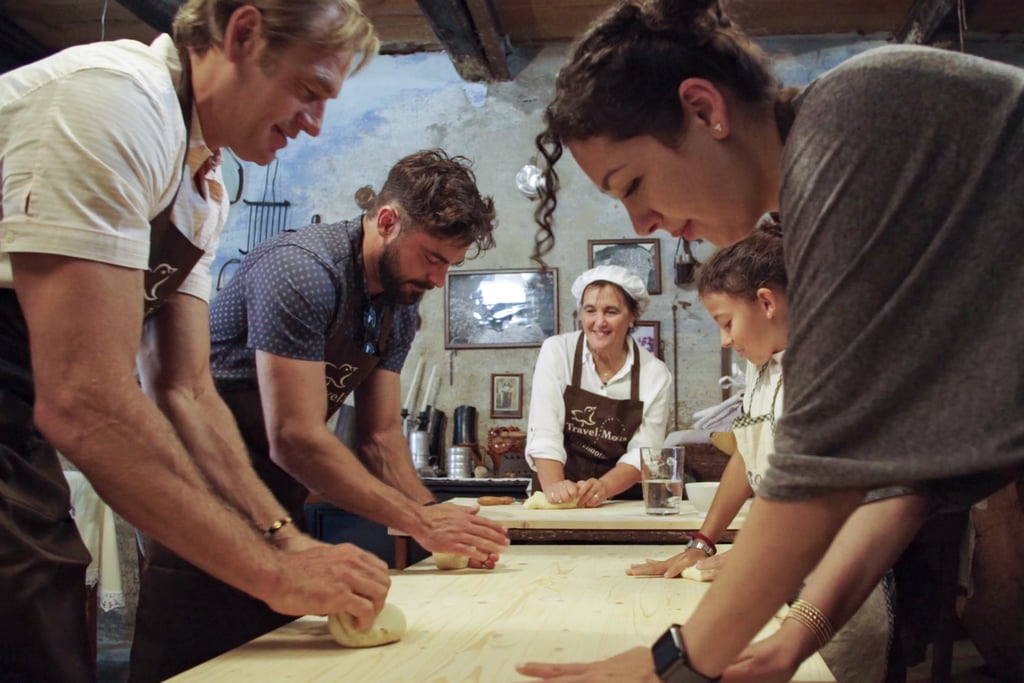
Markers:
(718, 418)
(95, 521)
(91, 149)
(545, 438)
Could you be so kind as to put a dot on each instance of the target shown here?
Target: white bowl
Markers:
(701, 493)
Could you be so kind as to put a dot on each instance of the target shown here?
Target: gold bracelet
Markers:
(276, 526)
(813, 619)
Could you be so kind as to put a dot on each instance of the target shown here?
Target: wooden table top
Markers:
(542, 603)
(616, 515)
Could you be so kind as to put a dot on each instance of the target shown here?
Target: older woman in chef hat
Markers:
(598, 396)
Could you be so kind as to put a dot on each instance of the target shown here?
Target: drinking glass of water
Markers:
(661, 476)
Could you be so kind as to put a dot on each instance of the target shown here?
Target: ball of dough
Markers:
(538, 501)
(389, 627)
(695, 574)
(450, 561)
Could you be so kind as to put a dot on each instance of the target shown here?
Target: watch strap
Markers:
(670, 660)
(697, 543)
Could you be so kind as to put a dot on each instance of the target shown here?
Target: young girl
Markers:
(743, 287)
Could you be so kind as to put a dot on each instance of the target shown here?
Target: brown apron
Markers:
(597, 429)
(186, 616)
(43, 634)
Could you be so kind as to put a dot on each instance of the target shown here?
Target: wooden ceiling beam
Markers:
(923, 21)
(455, 23)
(157, 14)
(20, 47)
(493, 38)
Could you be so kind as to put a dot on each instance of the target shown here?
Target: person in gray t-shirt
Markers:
(898, 178)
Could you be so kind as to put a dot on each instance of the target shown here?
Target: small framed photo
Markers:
(507, 395)
(648, 335)
(640, 256)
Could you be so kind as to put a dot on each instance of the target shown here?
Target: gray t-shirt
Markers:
(902, 208)
(288, 297)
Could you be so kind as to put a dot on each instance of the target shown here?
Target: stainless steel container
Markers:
(419, 447)
(458, 462)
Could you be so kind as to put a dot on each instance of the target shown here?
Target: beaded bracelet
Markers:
(814, 620)
(276, 526)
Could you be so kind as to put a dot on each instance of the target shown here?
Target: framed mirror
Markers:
(486, 309)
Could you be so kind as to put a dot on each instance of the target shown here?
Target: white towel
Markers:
(95, 521)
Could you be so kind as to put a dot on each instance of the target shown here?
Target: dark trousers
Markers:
(185, 616)
(43, 633)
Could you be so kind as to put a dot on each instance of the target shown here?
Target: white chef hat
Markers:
(629, 283)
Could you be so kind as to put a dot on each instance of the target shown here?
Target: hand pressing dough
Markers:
(538, 501)
(389, 627)
(450, 561)
(695, 574)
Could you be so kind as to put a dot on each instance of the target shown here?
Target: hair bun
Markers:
(680, 13)
(365, 197)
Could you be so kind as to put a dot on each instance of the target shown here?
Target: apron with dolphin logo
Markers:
(347, 364)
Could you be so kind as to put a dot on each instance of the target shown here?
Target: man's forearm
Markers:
(327, 467)
(779, 545)
(392, 451)
(132, 456)
(208, 430)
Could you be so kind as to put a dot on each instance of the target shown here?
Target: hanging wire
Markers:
(103, 21)
(271, 182)
(961, 22)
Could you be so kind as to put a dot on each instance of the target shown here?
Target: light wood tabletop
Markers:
(542, 603)
(616, 521)
(613, 514)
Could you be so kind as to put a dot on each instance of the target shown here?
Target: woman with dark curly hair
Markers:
(897, 176)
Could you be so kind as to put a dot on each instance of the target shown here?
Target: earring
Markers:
(717, 127)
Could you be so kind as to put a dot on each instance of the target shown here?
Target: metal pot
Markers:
(419, 447)
(458, 462)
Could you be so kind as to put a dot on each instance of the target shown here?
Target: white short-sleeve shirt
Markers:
(91, 149)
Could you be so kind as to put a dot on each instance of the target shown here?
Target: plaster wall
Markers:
(399, 104)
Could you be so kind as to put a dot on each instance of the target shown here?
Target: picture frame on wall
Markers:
(486, 309)
(507, 395)
(640, 256)
(647, 334)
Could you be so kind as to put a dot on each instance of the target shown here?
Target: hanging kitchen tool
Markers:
(685, 263)
(267, 217)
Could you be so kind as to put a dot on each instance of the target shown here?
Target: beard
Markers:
(397, 288)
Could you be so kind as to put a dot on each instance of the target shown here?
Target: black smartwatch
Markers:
(670, 660)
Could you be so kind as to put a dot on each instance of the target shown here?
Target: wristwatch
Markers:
(697, 543)
(670, 660)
